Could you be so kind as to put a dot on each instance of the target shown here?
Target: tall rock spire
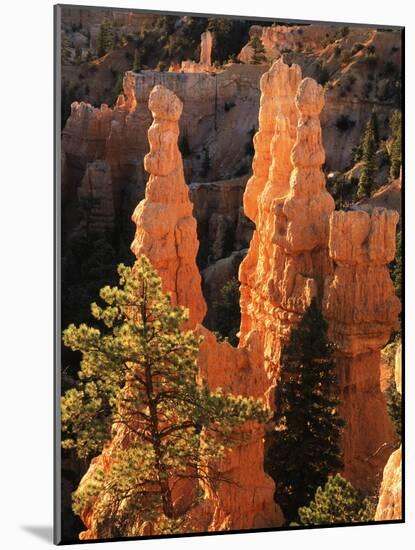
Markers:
(270, 181)
(362, 310)
(166, 229)
(288, 259)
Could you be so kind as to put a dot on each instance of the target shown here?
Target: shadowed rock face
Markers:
(96, 196)
(300, 249)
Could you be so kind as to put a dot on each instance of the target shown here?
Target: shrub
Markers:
(337, 502)
(228, 312)
(323, 75)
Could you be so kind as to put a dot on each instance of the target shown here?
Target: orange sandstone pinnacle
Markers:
(166, 229)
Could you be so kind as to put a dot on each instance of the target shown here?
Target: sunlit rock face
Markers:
(362, 309)
(302, 248)
(166, 233)
(166, 229)
(287, 199)
(390, 496)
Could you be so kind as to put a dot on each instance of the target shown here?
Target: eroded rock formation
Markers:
(362, 309)
(206, 42)
(289, 263)
(390, 497)
(166, 233)
(287, 199)
(96, 196)
(166, 229)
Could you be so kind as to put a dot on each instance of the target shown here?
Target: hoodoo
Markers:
(362, 310)
(166, 228)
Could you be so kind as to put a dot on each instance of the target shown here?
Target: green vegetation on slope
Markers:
(337, 502)
(305, 446)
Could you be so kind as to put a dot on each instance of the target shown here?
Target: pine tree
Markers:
(137, 65)
(374, 124)
(394, 406)
(397, 266)
(139, 371)
(368, 173)
(258, 53)
(65, 53)
(228, 312)
(396, 148)
(305, 446)
(105, 41)
(337, 502)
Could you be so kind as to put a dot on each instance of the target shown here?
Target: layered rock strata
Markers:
(96, 196)
(362, 310)
(166, 229)
(286, 198)
(166, 233)
(289, 262)
(390, 497)
(300, 249)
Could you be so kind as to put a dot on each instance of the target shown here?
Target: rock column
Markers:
(362, 309)
(166, 228)
(206, 41)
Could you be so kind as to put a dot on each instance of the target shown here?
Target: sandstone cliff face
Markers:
(248, 501)
(217, 122)
(166, 233)
(297, 244)
(221, 224)
(96, 195)
(357, 80)
(390, 496)
(390, 500)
